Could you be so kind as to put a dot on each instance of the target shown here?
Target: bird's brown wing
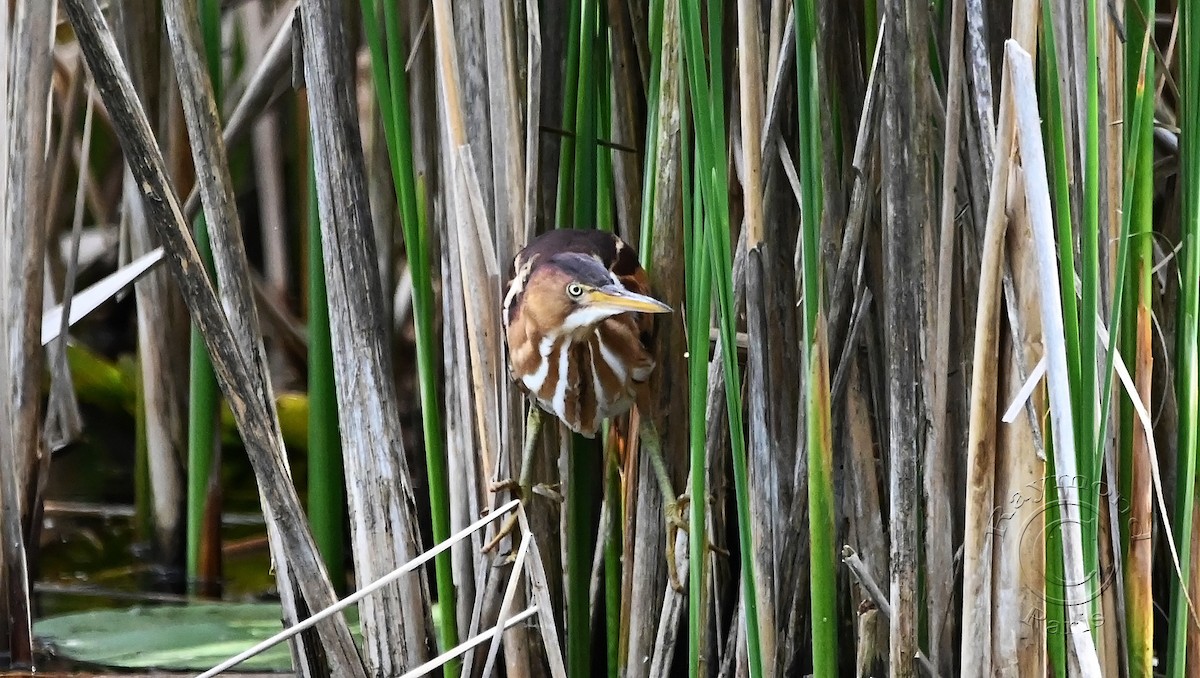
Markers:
(624, 264)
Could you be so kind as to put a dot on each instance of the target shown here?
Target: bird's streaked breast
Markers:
(564, 383)
(606, 358)
(585, 379)
(534, 380)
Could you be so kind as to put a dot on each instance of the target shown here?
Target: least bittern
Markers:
(579, 324)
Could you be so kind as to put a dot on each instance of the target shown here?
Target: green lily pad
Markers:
(191, 637)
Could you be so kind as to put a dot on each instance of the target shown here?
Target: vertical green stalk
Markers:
(431, 420)
(1088, 453)
(612, 561)
(1187, 374)
(584, 194)
(581, 503)
(579, 171)
(1055, 618)
(604, 155)
(707, 90)
(699, 319)
(1133, 161)
(1141, 118)
(722, 265)
(564, 203)
(203, 394)
(650, 175)
(210, 33)
(822, 531)
(326, 480)
(202, 425)
(1134, 481)
(143, 507)
(871, 16)
(391, 90)
(1055, 116)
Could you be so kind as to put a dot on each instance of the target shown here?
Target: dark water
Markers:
(91, 553)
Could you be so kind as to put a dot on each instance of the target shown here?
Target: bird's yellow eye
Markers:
(575, 290)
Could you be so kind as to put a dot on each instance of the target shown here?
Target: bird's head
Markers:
(574, 292)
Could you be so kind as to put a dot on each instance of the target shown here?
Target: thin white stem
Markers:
(509, 594)
(1037, 195)
(364, 592)
(426, 668)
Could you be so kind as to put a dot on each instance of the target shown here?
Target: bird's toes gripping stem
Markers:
(676, 511)
(676, 519)
(675, 524)
(673, 507)
(551, 491)
(505, 529)
(524, 486)
(506, 485)
(524, 492)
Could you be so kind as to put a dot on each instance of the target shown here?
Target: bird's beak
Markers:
(620, 299)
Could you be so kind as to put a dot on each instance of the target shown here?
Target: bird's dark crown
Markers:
(581, 268)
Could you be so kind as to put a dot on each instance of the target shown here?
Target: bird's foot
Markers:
(718, 550)
(672, 565)
(506, 485)
(523, 493)
(675, 510)
(505, 529)
(675, 522)
(550, 491)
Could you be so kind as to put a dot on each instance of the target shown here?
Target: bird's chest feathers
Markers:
(589, 374)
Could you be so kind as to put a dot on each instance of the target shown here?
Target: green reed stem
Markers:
(650, 175)
(203, 393)
(822, 531)
(1054, 616)
(699, 319)
(564, 204)
(586, 114)
(326, 477)
(1088, 454)
(391, 89)
(612, 562)
(707, 91)
(1139, 612)
(1055, 115)
(1187, 374)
